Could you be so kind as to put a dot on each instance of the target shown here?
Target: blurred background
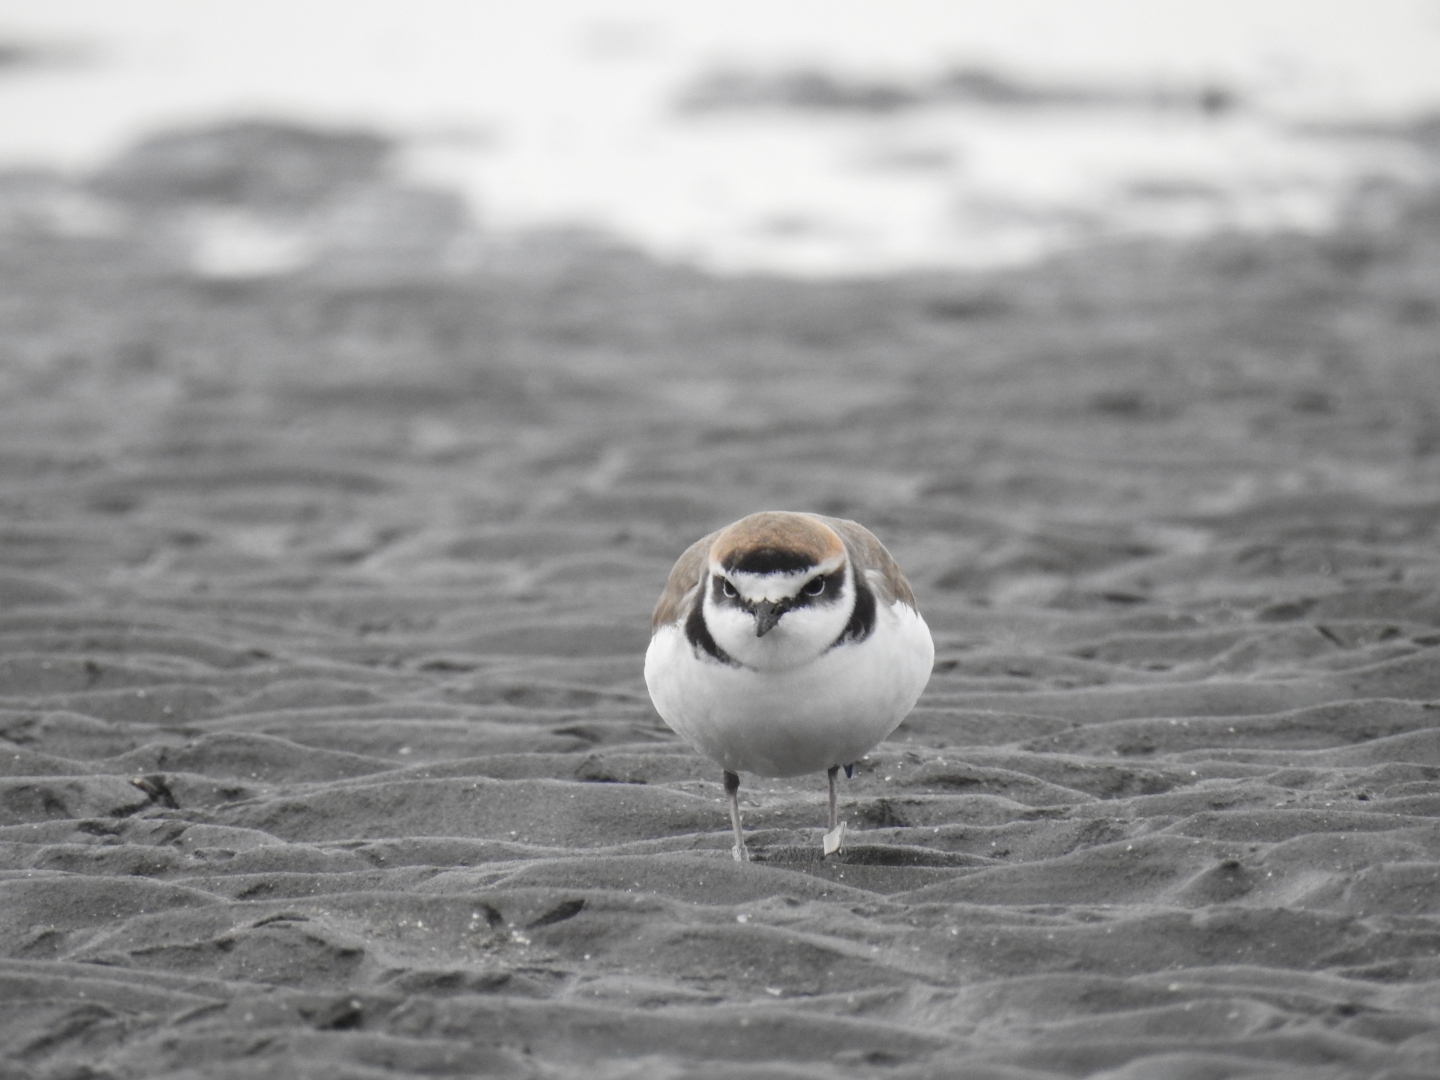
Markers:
(802, 137)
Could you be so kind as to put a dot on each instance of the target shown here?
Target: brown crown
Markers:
(775, 541)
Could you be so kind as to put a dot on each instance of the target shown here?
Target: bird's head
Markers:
(779, 590)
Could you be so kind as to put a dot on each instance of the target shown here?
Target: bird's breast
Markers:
(828, 711)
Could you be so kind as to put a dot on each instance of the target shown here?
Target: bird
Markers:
(783, 644)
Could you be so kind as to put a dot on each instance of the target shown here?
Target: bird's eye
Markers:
(727, 589)
(816, 587)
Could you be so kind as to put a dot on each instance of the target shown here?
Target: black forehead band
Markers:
(768, 560)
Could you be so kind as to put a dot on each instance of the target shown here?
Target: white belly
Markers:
(830, 711)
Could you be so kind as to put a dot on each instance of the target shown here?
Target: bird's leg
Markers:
(732, 788)
(833, 770)
(834, 839)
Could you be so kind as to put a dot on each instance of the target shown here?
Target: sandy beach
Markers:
(323, 599)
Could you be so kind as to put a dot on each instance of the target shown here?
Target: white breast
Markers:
(830, 711)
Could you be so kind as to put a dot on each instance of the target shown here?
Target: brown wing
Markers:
(684, 576)
(867, 553)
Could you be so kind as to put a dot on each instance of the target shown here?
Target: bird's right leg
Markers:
(732, 789)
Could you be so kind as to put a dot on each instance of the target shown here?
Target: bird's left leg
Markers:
(835, 836)
(833, 770)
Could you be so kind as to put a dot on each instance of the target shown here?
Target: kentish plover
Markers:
(783, 644)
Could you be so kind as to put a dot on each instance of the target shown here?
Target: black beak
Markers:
(766, 616)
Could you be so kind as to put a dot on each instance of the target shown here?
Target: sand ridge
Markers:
(324, 745)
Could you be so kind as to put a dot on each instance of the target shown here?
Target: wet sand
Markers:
(326, 749)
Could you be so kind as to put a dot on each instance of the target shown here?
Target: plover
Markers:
(783, 644)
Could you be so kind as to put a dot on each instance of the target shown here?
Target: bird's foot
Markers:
(835, 839)
(741, 853)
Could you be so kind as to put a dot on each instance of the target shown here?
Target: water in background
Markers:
(809, 137)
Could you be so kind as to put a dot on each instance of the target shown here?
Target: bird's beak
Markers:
(767, 614)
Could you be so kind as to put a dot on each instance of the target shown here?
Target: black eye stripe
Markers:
(834, 584)
(723, 591)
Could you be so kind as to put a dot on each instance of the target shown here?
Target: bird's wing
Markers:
(684, 576)
(869, 557)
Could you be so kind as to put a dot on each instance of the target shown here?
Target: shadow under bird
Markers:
(784, 644)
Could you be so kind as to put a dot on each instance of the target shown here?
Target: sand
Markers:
(323, 600)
